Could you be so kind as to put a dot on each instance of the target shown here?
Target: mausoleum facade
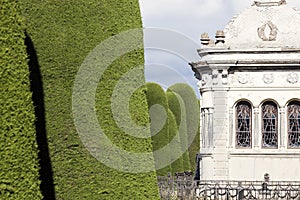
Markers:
(249, 81)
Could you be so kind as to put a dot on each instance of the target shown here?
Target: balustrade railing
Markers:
(183, 187)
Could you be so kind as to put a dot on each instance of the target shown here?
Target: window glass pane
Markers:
(294, 125)
(269, 125)
(243, 124)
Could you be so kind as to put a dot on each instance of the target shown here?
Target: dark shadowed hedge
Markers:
(63, 33)
(19, 177)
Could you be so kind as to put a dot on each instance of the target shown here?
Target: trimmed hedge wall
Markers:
(192, 117)
(160, 138)
(177, 165)
(156, 95)
(174, 104)
(63, 33)
(19, 170)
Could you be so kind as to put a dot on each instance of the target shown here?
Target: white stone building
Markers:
(250, 96)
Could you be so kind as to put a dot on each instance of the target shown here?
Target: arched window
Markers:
(243, 125)
(294, 125)
(269, 125)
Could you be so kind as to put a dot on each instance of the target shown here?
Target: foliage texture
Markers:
(63, 33)
(176, 106)
(18, 147)
(186, 93)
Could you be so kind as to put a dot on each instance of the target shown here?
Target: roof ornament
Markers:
(220, 37)
(267, 27)
(262, 3)
(205, 39)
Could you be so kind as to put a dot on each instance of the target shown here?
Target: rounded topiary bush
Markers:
(63, 34)
(177, 107)
(192, 117)
(159, 126)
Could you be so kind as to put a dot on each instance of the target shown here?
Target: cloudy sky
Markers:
(185, 20)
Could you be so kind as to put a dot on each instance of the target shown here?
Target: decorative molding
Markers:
(268, 78)
(204, 79)
(262, 3)
(243, 78)
(215, 74)
(225, 77)
(262, 32)
(292, 78)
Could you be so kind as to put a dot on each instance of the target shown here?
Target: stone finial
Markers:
(205, 39)
(220, 37)
(266, 177)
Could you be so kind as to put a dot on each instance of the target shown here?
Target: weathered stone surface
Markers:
(259, 61)
(267, 23)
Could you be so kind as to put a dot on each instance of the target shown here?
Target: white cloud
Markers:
(294, 3)
(240, 5)
(191, 18)
(180, 7)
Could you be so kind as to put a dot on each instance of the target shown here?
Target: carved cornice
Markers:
(263, 3)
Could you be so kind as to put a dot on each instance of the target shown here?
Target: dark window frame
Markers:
(243, 128)
(269, 129)
(293, 112)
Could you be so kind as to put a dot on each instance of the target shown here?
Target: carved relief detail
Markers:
(215, 74)
(262, 32)
(268, 78)
(292, 78)
(243, 78)
(205, 81)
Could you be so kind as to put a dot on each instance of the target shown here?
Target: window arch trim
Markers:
(293, 124)
(269, 124)
(243, 124)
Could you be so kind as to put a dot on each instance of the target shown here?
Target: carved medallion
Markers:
(243, 78)
(264, 29)
(268, 78)
(292, 78)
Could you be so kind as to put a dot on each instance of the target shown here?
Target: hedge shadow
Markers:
(36, 87)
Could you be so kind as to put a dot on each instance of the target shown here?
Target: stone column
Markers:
(282, 128)
(204, 117)
(210, 127)
(231, 130)
(256, 132)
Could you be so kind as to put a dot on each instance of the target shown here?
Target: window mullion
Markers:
(282, 127)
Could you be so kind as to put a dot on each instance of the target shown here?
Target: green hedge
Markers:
(159, 122)
(63, 33)
(177, 165)
(18, 148)
(181, 124)
(192, 116)
(156, 95)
